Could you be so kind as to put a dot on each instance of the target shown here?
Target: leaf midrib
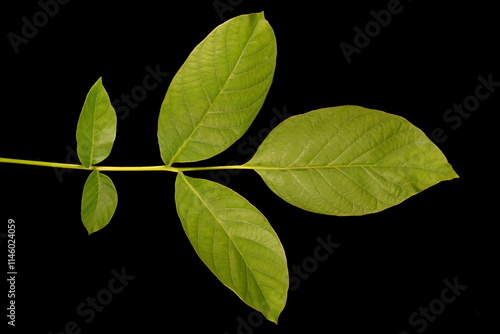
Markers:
(333, 167)
(94, 126)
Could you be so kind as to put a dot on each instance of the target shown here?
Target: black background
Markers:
(388, 265)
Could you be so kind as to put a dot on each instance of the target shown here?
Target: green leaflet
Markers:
(99, 201)
(348, 161)
(216, 94)
(96, 129)
(235, 241)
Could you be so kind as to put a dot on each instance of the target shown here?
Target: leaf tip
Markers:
(452, 174)
(89, 232)
(273, 318)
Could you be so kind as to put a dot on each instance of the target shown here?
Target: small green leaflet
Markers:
(99, 201)
(215, 96)
(96, 129)
(235, 241)
(348, 160)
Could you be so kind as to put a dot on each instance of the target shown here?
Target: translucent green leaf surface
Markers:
(99, 201)
(348, 160)
(96, 129)
(219, 90)
(235, 241)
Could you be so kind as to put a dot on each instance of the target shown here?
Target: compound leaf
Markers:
(235, 241)
(96, 129)
(216, 94)
(99, 201)
(348, 160)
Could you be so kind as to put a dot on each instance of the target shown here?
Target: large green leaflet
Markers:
(219, 90)
(235, 241)
(96, 129)
(348, 160)
(99, 201)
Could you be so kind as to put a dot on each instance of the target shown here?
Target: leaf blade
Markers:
(235, 241)
(99, 202)
(218, 91)
(96, 128)
(348, 160)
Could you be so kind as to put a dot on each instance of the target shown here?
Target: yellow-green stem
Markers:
(116, 169)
